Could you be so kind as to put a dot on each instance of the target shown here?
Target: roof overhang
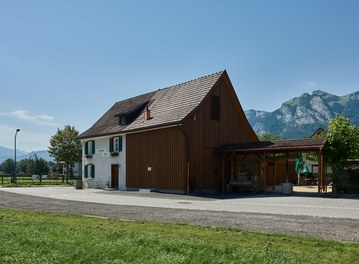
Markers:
(132, 131)
(263, 147)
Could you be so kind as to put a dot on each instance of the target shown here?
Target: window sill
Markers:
(114, 154)
(88, 156)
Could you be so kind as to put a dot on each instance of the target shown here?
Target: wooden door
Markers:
(114, 176)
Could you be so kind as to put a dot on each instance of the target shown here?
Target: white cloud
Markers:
(5, 128)
(41, 119)
(310, 84)
(27, 139)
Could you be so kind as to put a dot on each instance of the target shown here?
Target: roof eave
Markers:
(271, 150)
(131, 131)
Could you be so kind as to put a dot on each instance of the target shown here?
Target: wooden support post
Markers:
(232, 168)
(287, 169)
(264, 173)
(188, 177)
(274, 172)
(223, 172)
(320, 171)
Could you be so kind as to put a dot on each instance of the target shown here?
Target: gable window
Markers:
(89, 148)
(215, 108)
(115, 145)
(89, 171)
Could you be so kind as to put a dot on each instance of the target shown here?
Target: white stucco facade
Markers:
(103, 162)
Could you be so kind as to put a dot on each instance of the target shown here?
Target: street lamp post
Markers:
(15, 175)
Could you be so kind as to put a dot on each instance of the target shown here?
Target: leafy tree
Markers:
(342, 142)
(65, 147)
(268, 137)
(51, 164)
(8, 166)
(22, 165)
(37, 166)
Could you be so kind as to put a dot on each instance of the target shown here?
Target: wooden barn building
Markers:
(190, 137)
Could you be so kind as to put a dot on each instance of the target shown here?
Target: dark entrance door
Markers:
(114, 176)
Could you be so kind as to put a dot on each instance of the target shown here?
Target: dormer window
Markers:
(129, 114)
(123, 119)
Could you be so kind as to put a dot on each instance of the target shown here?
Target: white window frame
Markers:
(116, 144)
(89, 147)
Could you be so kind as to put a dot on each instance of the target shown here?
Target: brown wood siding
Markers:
(205, 135)
(280, 173)
(164, 150)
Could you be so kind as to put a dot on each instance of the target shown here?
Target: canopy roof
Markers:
(298, 145)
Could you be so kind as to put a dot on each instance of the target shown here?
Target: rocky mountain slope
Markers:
(302, 116)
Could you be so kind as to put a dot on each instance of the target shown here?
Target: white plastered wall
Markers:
(103, 160)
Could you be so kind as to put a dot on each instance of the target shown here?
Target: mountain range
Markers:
(297, 118)
(302, 116)
(6, 153)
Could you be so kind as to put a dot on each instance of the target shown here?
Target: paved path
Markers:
(267, 204)
(288, 215)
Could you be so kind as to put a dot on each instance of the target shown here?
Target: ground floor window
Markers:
(89, 171)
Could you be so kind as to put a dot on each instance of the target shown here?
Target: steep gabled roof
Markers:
(167, 106)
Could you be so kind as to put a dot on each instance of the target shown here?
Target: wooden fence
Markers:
(27, 180)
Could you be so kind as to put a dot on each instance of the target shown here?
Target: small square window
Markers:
(215, 108)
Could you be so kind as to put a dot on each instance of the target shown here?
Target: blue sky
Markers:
(67, 62)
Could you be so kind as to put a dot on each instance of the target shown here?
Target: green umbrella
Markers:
(299, 163)
(305, 170)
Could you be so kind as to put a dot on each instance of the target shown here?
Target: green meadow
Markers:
(38, 237)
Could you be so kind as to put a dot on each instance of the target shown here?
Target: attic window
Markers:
(123, 119)
(215, 108)
(129, 114)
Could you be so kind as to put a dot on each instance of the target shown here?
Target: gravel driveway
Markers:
(341, 229)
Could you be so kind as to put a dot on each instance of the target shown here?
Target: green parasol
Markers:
(299, 163)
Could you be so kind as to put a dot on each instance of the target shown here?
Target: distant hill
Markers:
(302, 116)
(6, 153)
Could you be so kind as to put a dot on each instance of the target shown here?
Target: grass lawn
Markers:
(34, 237)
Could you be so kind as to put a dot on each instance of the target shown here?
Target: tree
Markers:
(37, 166)
(268, 137)
(65, 147)
(22, 165)
(8, 166)
(342, 142)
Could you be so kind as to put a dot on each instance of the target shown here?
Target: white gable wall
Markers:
(103, 161)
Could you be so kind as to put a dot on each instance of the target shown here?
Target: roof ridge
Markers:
(172, 86)
(134, 97)
(196, 79)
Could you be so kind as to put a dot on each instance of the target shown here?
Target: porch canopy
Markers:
(263, 149)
